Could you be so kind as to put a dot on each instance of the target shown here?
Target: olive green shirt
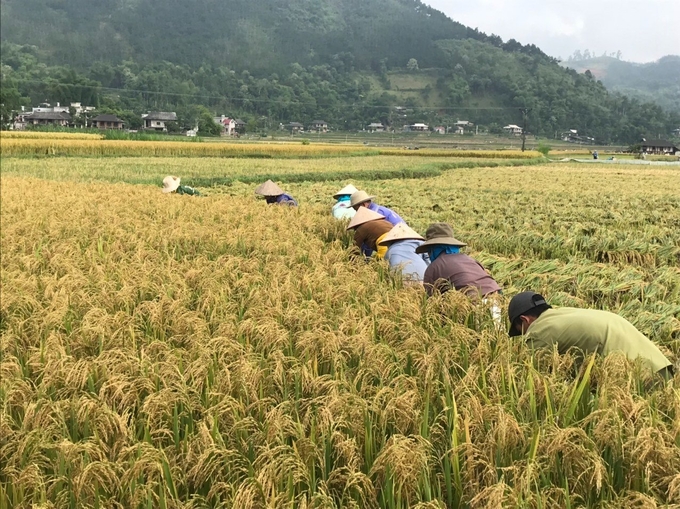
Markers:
(592, 330)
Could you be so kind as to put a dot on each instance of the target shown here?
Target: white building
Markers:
(228, 125)
(418, 127)
(513, 129)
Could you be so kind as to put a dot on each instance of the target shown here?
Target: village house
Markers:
(461, 126)
(572, 136)
(48, 108)
(79, 109)
(295, 127)
(658, 147)
(228, 125)
(319, 126)
(107, 122)
(42, 118)
(513, 129)
(239, 126)
(376, 127)
(158, 120)
(440, 129)
(417, 127)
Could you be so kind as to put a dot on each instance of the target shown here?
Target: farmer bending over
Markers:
(342, 208)
(401, 243)
(589, 330)
(273, 194)
(449, 268)
(370, 228)
(171, 185)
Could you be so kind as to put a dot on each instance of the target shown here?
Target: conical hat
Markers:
(360, 197)
(348, 190)
(401, 232)
(269, 188)
(170, 184)
(363, 215)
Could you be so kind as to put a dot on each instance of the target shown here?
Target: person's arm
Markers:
(360, 237)
(393, 217)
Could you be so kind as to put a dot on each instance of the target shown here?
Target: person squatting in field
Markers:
(342, 208)
(401, 243)
(449, 268)
(587, 330)
(361, 199)
(369, 229)
(273, 194)
(172, 185)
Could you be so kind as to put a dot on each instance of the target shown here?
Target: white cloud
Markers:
(643, 31)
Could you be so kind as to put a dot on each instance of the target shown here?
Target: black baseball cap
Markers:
(521, 304)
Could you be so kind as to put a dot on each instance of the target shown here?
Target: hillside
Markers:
(350, 62)
(657, 82)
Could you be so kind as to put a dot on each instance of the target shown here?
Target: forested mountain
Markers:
(657, 82)
(350, 62)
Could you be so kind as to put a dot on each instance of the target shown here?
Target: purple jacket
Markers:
(389, 214)
(286, 199)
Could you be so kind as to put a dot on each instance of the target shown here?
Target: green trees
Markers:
(296, 62)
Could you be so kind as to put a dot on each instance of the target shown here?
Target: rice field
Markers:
(56, 135)
(181, 352)
(214, 171)
(73, 145)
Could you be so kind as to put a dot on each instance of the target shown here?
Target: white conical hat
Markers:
(401, 232)
(170, 184)
(348, 190)
(363, 215)
(269, 188)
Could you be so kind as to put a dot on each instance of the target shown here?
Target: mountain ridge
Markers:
(279, 61)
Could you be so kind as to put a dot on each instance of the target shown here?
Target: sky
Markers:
(643, 31)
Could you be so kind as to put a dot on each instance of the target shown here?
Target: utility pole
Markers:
(524, 126)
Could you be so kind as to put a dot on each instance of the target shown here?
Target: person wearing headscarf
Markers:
(369, 228)
(172, 185)
(342, 208)
(401, 243)
(451, 269)
(274, 195)
(363, 199)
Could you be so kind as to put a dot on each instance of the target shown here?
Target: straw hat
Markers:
(269, 188)
(401, 232)
(439, 234)
(364, 215)
(359, 197)
(348, 190)
(170, 184)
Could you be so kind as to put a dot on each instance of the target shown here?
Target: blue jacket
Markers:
(401, 255)
(286, 199)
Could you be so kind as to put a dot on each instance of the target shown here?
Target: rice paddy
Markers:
(182, 352)
(89, 145)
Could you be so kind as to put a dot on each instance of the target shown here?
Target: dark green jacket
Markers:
(188, 190)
